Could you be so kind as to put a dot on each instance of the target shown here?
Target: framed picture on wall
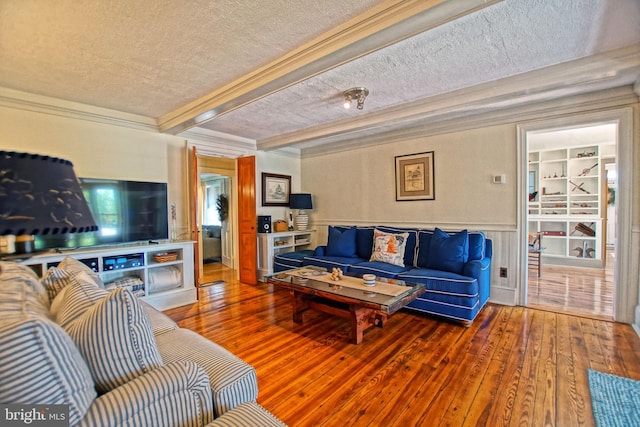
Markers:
(275, 189)
(415, 177)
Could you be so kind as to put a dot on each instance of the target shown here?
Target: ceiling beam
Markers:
(386, 24)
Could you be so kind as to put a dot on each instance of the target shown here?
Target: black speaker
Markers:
(264, 223)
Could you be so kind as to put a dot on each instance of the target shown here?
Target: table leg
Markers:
(300, 305)
(361, 319)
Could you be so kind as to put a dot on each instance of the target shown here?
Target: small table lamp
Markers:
(301, 201)
(40, 195)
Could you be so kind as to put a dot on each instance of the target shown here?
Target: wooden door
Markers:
(247, 245)
(195, 179)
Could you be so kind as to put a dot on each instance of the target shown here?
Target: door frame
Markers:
(625, 288)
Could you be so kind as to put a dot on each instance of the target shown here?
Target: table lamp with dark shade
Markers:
(301, 201)
(40, 195)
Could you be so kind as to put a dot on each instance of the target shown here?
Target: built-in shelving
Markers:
(565, 203)
(271, 244)
(166, 282)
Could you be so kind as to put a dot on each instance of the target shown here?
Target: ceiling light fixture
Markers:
(357, 93)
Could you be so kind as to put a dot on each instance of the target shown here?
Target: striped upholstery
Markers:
(40, 363)
(21, 291)
(56, 279)
(232, 380)
(75, 298)
(72, 265)
(116, 340)
(248, 414)
(160, 323)
(176, 394)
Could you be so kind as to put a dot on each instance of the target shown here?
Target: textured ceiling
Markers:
(152, 57)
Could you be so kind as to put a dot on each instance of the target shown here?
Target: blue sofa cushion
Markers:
(448, 252)
(290, 260)
(341, 242)
(476, 245)
(329, 262)
(381, 269)
(446, 287)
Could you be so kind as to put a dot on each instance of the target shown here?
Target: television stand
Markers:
(169, 281)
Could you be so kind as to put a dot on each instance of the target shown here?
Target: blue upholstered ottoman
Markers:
(289, 260)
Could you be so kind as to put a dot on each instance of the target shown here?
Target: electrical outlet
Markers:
(503, 271)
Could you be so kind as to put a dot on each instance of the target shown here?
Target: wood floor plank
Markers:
(512, 366)
(498, 400)
(544, 413)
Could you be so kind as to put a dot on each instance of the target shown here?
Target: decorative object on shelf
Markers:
(174, 227)
(280, 226)
(301, 202)
(165, 256)
(585, 229)
(275, 189)
(415, 177)
(585, 171)
(357, 93)
(222, 206)
(578, 187)
(40, 195)
(290, 222)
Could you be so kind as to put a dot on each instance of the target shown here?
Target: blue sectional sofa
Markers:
(454, 266)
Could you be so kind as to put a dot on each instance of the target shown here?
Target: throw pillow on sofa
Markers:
(341, 242)
(57, 278)
(389, 248)
(116, 340)
(448, 252)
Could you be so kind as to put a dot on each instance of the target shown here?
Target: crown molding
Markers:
(605, 99)
(381, 26)
(584, 75)
(12, 98)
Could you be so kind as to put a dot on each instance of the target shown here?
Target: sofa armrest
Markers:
(320, 251)
(174, 394)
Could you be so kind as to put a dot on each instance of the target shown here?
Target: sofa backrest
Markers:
(417, 248)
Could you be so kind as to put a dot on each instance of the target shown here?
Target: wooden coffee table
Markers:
(364, 306)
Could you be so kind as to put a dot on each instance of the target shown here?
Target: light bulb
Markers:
(347, 104)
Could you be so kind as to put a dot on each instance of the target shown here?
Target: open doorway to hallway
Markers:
(571, 219)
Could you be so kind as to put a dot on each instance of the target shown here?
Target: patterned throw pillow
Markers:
(116, 340)
(389, 248)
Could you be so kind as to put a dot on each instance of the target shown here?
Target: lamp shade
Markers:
(41, 195)
(300, 201)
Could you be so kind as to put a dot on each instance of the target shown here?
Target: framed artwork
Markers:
(415, 177)
(275, 189)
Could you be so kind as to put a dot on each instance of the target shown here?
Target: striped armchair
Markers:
(113, 359)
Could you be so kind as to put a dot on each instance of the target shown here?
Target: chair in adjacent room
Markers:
(535, 251)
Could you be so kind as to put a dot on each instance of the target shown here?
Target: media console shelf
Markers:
(270, 244)
(167, 280)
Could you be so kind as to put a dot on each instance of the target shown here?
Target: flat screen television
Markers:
(125, 211)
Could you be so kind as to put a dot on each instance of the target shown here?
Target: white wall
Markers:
(100, 150)
(281, 164)
(358, 187)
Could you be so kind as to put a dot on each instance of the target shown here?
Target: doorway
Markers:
(567, 187)
(215, 214)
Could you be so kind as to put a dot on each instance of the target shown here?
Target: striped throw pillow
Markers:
(75, 298)
(116, 340)
(41, 365)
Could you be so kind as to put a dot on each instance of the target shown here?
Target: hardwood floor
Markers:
(579, 291)
(512, 366)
